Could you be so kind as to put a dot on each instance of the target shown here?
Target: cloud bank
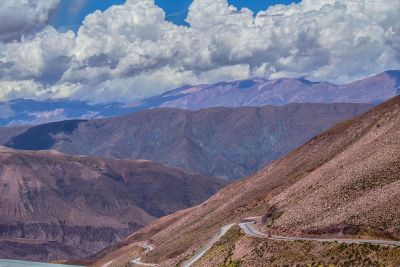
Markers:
(19, 17)
(130, 51)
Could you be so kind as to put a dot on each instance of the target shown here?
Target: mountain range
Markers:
(228, 143)
(250, 92)
(77, 177)
(259, 92)
(56, 206)
(343, 183)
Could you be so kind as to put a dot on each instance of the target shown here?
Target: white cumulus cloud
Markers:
(130, 51)
(21, 16)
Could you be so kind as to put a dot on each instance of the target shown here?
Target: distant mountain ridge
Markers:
(249, 92)
(258, 92)
(221, 142)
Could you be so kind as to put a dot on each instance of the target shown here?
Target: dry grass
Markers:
(236, 250)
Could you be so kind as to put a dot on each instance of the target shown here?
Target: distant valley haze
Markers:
(241, 93)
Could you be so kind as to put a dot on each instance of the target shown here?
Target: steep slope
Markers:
(259, 92)
(221, 142)
(69, 206)
(344, 182)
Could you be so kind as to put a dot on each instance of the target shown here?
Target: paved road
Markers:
(138, 261)
(250, 229)
(203, 250)
(147, 248)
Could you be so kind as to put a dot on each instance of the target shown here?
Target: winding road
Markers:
(147, 248)
(203, 250)
(250, 229)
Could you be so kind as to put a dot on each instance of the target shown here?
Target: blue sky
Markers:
(71, 12)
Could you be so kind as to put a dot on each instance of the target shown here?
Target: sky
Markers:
(114, 50)
(70, 14)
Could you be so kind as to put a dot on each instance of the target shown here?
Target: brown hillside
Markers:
(219, 142)
(343, 182)
(56, 206)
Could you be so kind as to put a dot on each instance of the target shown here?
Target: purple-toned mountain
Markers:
(342, 184)
(252, 92)
(219, 142)
(55, 206)
(259, 92)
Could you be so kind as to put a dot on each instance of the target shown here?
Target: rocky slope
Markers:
(237, 249)
(344, 182)
(55, 206)
(220, 142)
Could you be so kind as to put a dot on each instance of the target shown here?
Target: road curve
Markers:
(138, 261)
(147, 248)
(250, 229)
(203, 250)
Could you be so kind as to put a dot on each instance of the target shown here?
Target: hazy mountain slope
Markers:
(84, 204)
(219, 142)
(32, 112)
(251, 92)
(7, 133)
(259, 92)
(346, 178)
